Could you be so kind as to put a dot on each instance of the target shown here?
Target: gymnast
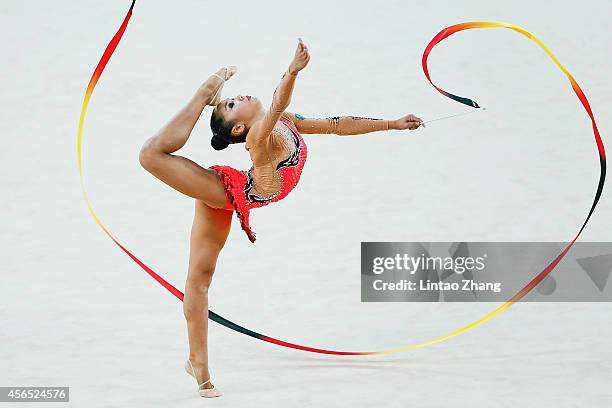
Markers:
(273, 139)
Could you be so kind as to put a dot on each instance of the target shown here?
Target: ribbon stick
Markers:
(108, 52)
(452, 116)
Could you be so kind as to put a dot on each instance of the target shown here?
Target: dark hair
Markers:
(218, 143)
(222, 132)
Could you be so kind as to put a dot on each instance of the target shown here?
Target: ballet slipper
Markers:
(204, 392)
(230, 70)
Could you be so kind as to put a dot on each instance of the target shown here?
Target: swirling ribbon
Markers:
(108, 52)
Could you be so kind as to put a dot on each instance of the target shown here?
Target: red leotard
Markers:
(239, 184)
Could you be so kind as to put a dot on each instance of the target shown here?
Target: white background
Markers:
(77, 312)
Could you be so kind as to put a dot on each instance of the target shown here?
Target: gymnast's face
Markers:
(240, 110)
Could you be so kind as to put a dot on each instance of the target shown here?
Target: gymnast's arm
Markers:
(352, 125)
(282, 94)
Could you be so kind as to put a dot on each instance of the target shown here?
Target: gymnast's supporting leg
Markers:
(208, 235)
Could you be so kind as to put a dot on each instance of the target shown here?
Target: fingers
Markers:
(302, 57)
(414, 121)
(410, 122)
(412, 125)
(302, 48)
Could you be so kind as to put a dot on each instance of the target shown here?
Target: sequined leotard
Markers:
(259, 186)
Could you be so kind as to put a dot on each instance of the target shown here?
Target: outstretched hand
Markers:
(300, 59)
(410, 122)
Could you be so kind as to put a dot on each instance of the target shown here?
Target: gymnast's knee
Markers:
(195, 306)
(192, 311)
(200, 283)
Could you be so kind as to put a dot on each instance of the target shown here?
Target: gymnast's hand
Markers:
(410, 122)
(300, 59)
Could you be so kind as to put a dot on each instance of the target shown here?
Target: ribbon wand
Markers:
(452, 116)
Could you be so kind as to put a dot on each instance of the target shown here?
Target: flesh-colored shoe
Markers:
(230, 70)
(204, 392)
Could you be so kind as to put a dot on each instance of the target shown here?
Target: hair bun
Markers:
(218, 143)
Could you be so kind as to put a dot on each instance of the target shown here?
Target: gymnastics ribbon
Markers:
(108, 52)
